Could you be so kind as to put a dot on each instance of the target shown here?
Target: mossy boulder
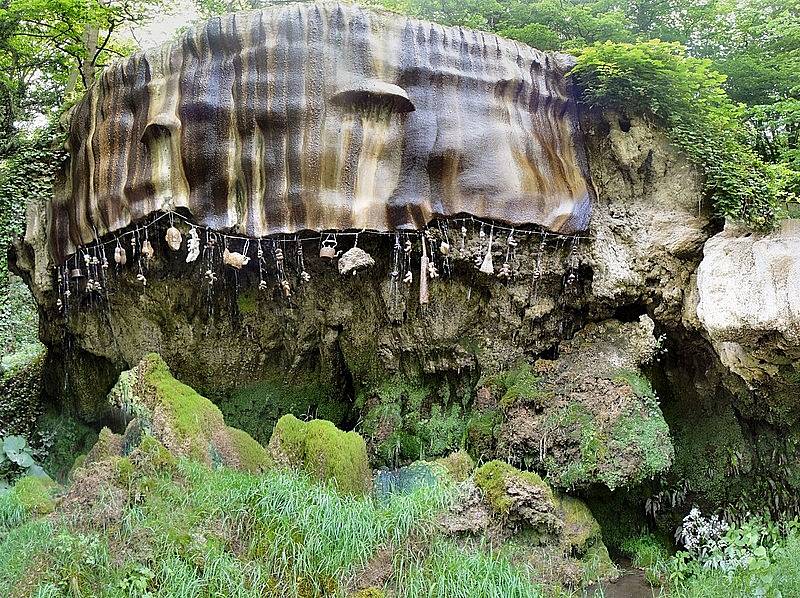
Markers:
(458, 465)
(519, 498)
(186, 423)
(324, 451)
(534, 520)
(580, 530)
(35, 494)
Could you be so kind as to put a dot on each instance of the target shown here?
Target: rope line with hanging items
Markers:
(95, 280)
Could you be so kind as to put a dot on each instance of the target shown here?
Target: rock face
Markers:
(325, 116)
(748, 303)
(363, 348)
(589, 417)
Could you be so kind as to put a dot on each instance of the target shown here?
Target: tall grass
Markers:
(206, 533)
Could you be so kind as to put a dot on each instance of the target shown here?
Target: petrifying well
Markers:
(324, 116)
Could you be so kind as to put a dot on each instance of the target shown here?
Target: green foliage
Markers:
(62, 438)
(26, 176)
(20, 393)
(411, 422)
(35, 494)
(451, 570)
(323, 451)
(684, 94)
(17, 461)
(646, 551)
(519, 384)
(226, 533)
(757, 558)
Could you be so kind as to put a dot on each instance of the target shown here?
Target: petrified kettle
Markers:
(328, 249)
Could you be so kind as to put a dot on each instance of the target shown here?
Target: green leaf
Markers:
(22, 459)
(13, 444)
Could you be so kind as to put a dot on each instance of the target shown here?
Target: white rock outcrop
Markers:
(747, 300)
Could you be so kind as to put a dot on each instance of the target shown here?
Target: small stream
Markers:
(631, 584)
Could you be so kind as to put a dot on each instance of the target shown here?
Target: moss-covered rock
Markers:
(186, 423)
(322, 450)
(519, 497)
(35, 494)
(458, 465)
(589, 417)
(580, 530)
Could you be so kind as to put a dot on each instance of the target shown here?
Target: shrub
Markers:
(656, 79)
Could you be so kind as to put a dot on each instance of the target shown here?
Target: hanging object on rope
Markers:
(353, 260)
(409, 277)
(505, 270)
(444, 247)
(432, 271)
(174, 238)
(193, 245)
(301, 262)
(396, 249)
(120, 256)
(487, 267)
(287, 290)
(234, 259)
(147, 250)
(328, 249)
(423, 275)
(262, 284)
(463, 237)
(210, 277)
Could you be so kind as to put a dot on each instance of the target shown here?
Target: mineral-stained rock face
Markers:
(362, 349)
(325, 117)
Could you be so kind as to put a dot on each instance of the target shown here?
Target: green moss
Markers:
(575, 422)
(597, 564)
(108, 445)
(191, 414)
(153, 456)
(520, 385)
(581, 529)
(125, 471)
(493, 479)
(635, 446)
(252, 456)
(458, 465)
(481, 432)
(400, 428)
(650, 435)
(324, 451)
(35, 494)
(711, 450)
(246, 301)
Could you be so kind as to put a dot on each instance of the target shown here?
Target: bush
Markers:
(656, 79)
